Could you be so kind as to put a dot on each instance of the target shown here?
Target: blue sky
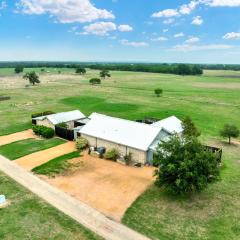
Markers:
(195, 31)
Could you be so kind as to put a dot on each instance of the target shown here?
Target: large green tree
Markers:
(105, 73)
(229, 131)
(32, 77)
(189, 128)
(184, 165)
(18, 69)
(81, 70)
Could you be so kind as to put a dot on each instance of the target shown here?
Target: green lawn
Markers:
(57, 165)
(24, 147)
(28, 217)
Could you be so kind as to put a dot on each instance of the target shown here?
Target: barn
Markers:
(52, 120)
(126, 136)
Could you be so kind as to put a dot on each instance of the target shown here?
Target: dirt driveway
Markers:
(38, 158)
(16, 137)
(104, 185)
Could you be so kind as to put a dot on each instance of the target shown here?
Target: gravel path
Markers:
(38, 158)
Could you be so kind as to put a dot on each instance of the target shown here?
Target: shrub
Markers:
(62, 125)
(128, 158)
(43, 131)
(158, 92)
(81, 143)
(112, 154)
(40, 114)
(95, 81)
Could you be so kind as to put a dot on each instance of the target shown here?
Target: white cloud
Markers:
(159, 39)
(192, 40)
(133, 44)
(169, 21)
(190, 48)
(188, 8)
(232, 36)
(99, 28)
(168, 13)
(65, 11)
(197, 20)
(165, 30)
(178, 35)
(125, 28)
(223, 3)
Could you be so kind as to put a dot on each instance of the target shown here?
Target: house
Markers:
(52, 120)
(126, 136)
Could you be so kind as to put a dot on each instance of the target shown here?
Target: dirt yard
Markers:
(16, 137)
(38, 158)
(106, 186)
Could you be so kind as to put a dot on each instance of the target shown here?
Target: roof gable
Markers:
(171, 125)
(65, 117)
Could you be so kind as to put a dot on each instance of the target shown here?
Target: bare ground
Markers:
(17, 137)
(38, 158)
(106, 186)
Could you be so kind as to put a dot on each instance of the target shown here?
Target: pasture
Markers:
(210, 100)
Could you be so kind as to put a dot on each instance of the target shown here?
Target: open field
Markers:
(126, 94)
(25, 147)
(210, 100)
(28, 217)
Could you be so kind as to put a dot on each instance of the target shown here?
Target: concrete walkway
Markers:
(36, 159)
(85, 215)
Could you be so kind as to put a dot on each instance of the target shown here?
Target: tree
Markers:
(105, 73)
(158, 91)
(81, 70)
(32, 77)
(189, 128)
(184, 165)
(183, 69)
(229, 131)
(94, 81)
(19, 69)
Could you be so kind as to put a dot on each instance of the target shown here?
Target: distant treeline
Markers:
(179, 69)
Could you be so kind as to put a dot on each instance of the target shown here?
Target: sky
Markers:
(195, 31)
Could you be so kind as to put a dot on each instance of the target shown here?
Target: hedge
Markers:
(40, 114)
(43, 131)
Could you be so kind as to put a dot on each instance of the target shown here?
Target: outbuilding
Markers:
(52, 120)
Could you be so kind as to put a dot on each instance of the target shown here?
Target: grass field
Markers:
(22, 148)
(28, 217)
(57, 165)
(210, 100)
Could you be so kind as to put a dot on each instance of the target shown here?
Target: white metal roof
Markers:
(171, 125)
(124, 132)
(65, 117)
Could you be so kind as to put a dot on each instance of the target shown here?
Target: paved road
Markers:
(85, 215)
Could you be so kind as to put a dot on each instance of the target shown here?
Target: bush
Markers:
(95, 81)
(62, 125)
(81, 143)
(40, 114)
(112, 154)
(128, 159)
(43, 131)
